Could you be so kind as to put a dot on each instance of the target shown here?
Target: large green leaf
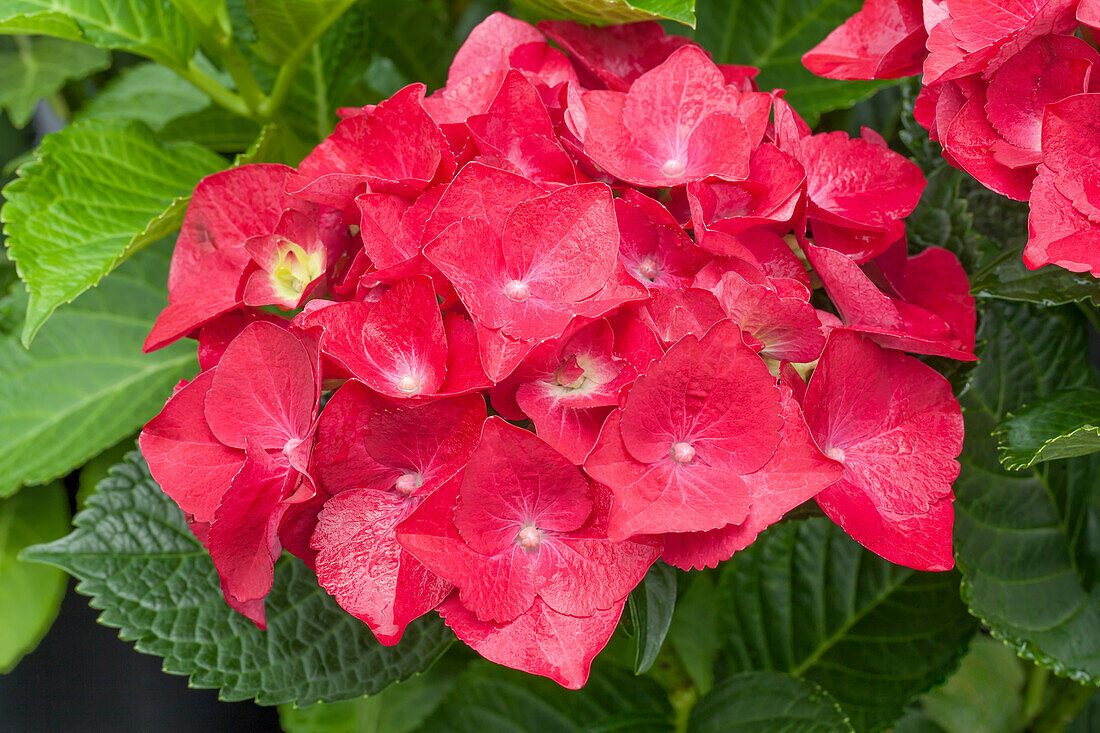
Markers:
(285, 27)
(30, 594)
(98, 191)
(1025, 541)
(135, 556)
(767, 702)
(38, 67)
(772, 35)
(148, 92)
(806, 600)
(490, 698)
(423, 56)
(85, 385)
(150, 28)
(607, 12)
(1064, 425)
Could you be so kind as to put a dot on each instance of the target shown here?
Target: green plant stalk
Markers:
(673, 676)
(1035, 691)
(284, 80)
(219, 94)
(1062, 706)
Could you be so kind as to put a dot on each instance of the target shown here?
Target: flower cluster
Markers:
(560, 315)
(1011, 93)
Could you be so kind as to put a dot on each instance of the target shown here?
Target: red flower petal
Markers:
(884, 40)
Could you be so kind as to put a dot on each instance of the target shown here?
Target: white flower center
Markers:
(673, 168)
(408, 483)
(408, 384)
(517, 291)
(837, 454)
(529, 538)
(682, 452)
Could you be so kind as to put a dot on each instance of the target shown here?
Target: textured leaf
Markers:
(97, 192)
(772, 35)
(1025, 541)
(85, 385)
(1064, 425)
(150, 93)
(149, 28)
(284, 27)
(767, 702)
(400, 708)
(984, 696)
(30, 594)
(213, 127)
(607, 12)
(422, 56)
(488, 698)
(651, 607)
(39, 67)
(806, 600)
(134, 555)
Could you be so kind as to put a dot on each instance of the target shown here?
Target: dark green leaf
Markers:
(772, 35)
(490, 698)
(806, 600)
(651, 607)
(693, 633)
(400, 708)
(423, 56)
(135, 556)
(39, 67)
(1025, 541)
(608, 12)
(285, 27)
(984, 696)
(1063, 425)
(85, 385)
(212, 127)
(767, 702)
(30, 594)
(98, 191)
(149, 28)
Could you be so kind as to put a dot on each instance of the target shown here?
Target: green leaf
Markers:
(693, 632)
(423, 56)
(490, 698)
(767, 702)
(98, 191)
(30, 594)
(651, 607)
(772, 35)
(400, 708)
(85, 385)
(984, 696)
(608, 12)
(1026, 541)
(39, 67)
(1064, 425)
(283, 27)
(148, 28)
(143, 568)
(807, 600)
(151, 93)
(212, 127)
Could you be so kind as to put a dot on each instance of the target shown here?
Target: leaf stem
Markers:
(284, 80)
(1035, 691)
(221, 96)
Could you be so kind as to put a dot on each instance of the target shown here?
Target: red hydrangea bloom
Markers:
(379, 460)
(1088, 12)
(897, 429)
(884, 40)
(615, 55)
(698, 420)
(653, 247)
(1065, 203)
(678, 122)
(233, 450)
(922, 304)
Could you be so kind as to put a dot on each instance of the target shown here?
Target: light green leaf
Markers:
(651, 607)
(148, 28)
(607, 12)
(984, 696)
(490, 698)
(39, 67)
(1064, 425)
(30, 594)
(767, 702)
(806, 600)
(98, 191)
(135, 556)
(400, 708)
(772, 35)
(1025, 541)
(213, 127)
(85, 385)
(150, 93)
